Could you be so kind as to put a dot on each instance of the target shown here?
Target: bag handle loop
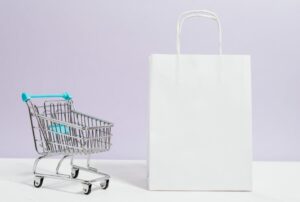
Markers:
(197, 13)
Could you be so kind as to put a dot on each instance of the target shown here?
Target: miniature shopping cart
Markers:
(58, 129)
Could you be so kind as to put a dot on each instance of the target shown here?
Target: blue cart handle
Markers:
(26, 96)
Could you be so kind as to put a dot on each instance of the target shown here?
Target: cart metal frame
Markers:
(58, 129)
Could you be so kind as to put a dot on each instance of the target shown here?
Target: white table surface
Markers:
(272, 181)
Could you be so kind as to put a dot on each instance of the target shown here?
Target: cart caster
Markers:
(74, 173)
(105, 184)
(87, 188)
(38, 181)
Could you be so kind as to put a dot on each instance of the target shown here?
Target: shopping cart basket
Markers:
(58, 129)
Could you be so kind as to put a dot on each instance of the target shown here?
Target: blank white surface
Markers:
(200, 122)
(272, 181)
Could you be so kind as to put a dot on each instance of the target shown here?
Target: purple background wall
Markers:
(98, 51)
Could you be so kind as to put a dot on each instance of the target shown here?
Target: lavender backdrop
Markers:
(98, 51)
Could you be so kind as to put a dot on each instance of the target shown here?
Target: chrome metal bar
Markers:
(59, 163)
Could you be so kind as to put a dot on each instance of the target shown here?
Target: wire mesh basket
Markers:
(59, 129)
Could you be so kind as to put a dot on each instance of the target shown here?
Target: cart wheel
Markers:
(74, 173)
(105, 184)
(87, 188)
(38, 181)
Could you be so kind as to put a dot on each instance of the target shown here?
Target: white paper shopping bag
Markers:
(200, 119)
